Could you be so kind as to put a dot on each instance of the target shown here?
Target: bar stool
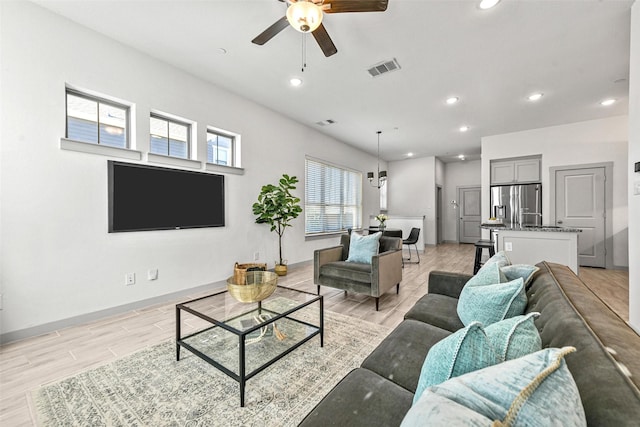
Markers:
(480, 245)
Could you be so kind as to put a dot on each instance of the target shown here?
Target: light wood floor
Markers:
(27, 364)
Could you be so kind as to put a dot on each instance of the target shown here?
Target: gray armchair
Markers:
(385, 271)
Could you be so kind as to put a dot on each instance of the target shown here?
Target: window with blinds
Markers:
(333, 198)
(96, 120)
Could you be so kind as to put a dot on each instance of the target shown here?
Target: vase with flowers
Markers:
(381, 218)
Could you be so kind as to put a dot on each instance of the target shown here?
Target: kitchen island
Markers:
(532, 244)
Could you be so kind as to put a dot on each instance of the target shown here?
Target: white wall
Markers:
(412, 192)
(58, 261)
(634, 177)
(457, 174)
(593, 141)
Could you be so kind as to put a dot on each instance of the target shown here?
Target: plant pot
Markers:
(281, 269)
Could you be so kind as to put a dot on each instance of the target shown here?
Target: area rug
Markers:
(149, 388)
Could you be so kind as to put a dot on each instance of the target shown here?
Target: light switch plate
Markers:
(508, 246)
(636, 188)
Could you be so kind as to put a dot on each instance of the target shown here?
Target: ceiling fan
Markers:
(306, 17)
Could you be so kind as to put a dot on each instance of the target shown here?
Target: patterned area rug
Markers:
(149, 388)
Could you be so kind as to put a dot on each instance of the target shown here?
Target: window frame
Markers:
(345, 172)
(232, 150)
(99, 100)
(172, 119)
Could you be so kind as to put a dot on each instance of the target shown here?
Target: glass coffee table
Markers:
(242, 339)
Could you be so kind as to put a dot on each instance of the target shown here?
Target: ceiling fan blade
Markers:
(325, 42)
(271, 32)
(342, 6)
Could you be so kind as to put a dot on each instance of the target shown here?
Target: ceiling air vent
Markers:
(383, 68)
(326, 122)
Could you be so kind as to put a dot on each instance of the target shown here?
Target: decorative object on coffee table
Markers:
(276, 206)
(240, 271)
(256, 286)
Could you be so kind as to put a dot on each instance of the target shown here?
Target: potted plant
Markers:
(276, 206)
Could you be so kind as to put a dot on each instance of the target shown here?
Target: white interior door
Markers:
(469, 220)
(580, 203)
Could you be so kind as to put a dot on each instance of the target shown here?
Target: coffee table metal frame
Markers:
(243, 376)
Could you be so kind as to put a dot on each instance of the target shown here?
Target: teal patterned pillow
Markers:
(488, 304)
(487, 275)
(362, 248)
(519, 270)
(514, 337)
(534, 390)
(466, 350)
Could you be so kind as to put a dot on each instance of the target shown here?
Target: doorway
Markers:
(469, 214)
(580, 199)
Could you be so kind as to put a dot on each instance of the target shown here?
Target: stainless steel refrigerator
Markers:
(517, 205)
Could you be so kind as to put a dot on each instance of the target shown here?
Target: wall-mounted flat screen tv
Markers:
(143, 197)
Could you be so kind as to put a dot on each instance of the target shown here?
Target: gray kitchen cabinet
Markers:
(515, 171)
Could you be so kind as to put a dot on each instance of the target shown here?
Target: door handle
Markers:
(559, 221)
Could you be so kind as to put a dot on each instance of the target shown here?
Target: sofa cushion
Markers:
(363, 248)
(537, 389)
(572, 315)
(347, 271)
(463, 351)
(361, 398)
(488, 304)
(437, 310)
(400, 356)
(514, 337)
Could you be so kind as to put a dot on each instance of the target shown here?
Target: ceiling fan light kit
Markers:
(304, 16)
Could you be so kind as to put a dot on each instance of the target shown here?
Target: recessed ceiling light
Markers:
(409, 154)
(488, 4)
(295, 81)
(452, 100)
(461, 156)
(608, 102)
(535, 96)
(464, 128)
(222, 50)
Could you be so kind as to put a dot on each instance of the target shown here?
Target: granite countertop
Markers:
(537, 228)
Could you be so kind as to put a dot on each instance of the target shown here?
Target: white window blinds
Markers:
(333, 198)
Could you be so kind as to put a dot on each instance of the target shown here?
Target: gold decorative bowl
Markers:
(259, 285)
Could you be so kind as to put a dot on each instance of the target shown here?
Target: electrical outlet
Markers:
(636, 188)
(130, 279)
(508, 246)
(152, 274)
(256, 256)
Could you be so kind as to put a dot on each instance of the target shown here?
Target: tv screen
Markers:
(145, 197)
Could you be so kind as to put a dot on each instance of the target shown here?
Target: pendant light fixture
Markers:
(382, 175)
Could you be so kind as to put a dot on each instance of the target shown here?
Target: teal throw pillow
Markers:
(499, 258)
(519, 270)
(466, 350)
(487, 275)
(514, 337)
(534, 390)
(488, 304)
(362, 248)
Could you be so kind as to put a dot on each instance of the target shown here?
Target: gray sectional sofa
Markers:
(605, 367)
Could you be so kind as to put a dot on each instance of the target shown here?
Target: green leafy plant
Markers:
(276, 206)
